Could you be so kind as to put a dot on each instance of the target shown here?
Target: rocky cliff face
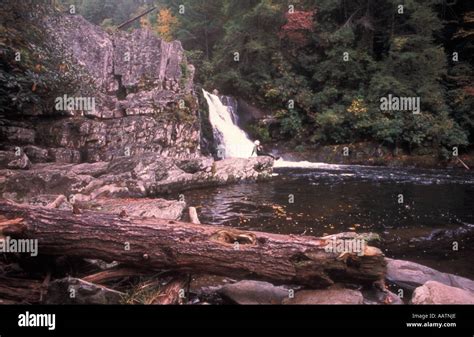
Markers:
(139, 139)
(141, 89)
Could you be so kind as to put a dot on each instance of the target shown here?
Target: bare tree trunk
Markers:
(157, 244)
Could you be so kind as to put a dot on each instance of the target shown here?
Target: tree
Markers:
(166, 24)
(245, 59)
(299, 24)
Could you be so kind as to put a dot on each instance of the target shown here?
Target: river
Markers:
(432, 225)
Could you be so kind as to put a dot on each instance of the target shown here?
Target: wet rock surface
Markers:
(206, 288)
(433, 292)
(129, 177)
(254, 292)
(377, 296)
(332, 295)
(76, 291)
(410, 275)
(146, 208)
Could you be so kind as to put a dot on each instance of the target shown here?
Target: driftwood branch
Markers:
(135, 18)
(112, 274)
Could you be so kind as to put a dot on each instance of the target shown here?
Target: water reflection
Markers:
(356, 198)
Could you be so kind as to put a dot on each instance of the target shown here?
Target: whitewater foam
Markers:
(230, 137)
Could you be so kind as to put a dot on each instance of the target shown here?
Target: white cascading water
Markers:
(234, 140)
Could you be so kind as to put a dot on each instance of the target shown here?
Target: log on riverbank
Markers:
(156, 244)
(20, 291)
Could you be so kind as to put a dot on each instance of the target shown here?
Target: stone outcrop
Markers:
(433, 292)
(410, 275)
(142, 89)
(148, 175)
(12, 161)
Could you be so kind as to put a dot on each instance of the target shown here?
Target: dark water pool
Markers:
(437, 209)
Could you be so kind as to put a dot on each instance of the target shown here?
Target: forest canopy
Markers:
(321, 67)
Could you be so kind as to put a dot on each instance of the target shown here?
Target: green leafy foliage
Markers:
(33, 73)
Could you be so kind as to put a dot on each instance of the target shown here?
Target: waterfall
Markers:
(232, 141)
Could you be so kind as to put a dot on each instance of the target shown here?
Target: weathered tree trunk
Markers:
(17, 290)
(162, 244)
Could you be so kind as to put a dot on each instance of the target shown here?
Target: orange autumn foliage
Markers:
(166, 24)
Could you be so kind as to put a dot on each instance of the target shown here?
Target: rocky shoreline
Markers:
(410, 283)
(136, 186)
(144, 176)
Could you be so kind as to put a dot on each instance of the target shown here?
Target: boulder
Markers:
(410, 275)
(433, 292)
(36, 154)
(236, 169)
(206, 287)
(332, 295)
(76, 291)
(377, 296)
(150, 174)
(21, 163)
(254, 292)
(10, 160)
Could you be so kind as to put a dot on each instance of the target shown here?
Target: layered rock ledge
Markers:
(143, 93)
(143, 176)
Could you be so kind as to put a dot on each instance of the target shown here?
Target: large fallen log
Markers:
(17, 290)
(163, 244)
